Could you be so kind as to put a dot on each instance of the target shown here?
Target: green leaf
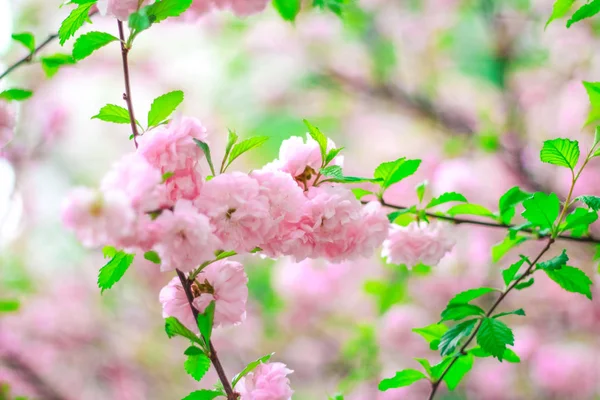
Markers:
(163, 9)
(402, 378)
(471, 209)
(572, 280)
(438, 369)
(319, 137)
(249, 368)
(114, 270)
(508, 202)
(446, 198)
(579, 221)
(26, 39)
(16, 94)
(425, 364)
(139, 20)
(394, 171)
(163, 106)
(9, 305)
(74, 21)
(559, 10)
(508, 355)
(206, 150)
(231, 140)
(420, 189)
(431, 332)
(203, 395)
(456, 312)
(520, 312)
(205, 322)
(87, 43)
(51, 64)
(152, 256)
(246, 145)
(451, 339)
(525, 284)
(332, 154)
(468, 295)
(333, 171)
(554, 263)
(509, 273)
(175, 328)
(586, 11)
(359, 193)
(561, 152)
(197, 363)
(500, 249)
(288, 9)
(593, 92)
(459, 370)
(113, 113)
(592, 202)
(493, 336)
(542, 209)
(225, 254)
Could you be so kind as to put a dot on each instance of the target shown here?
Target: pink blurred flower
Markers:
(396, 330)
(120, 9)
(175, 304)
(242, 8)
(417, 243)
(186, 238)
(238, 210)
(226, 283)
(267, 382)
(98, 219)
(8, 120)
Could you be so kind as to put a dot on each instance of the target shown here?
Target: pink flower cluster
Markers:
(120, 9)
(266, 382)
(8, 119)
(417, 243)
(241, 8)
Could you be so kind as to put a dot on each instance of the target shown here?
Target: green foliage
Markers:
(493, 337)
(175, 328)
(206, 150)
(361, 354)
(52, 63)
(139, 21)
(586, 11)
(152, 256)
(559, 10)
(593, 92)
(446, 198)
(542, 209)
(244, 146)
(554, 263)
(592, 202)
(114, 270)
(336, 397)
(333, 153)
(394, 171)
(74, 21)
(9, 305)
(359, 193)
(26, 39)
(456, 312)
(420, 190)
(163, 106)
(288, 9)
(334, 173)
(197, 363)
(579, 221)
(432, 333)
(459, 370)
(250, 367)
(471, 294)
(509, 201)
(87, 43)
(508, 355)
(205, 322)
(16, 94)
(231, 140)
(335, 6)
(510, 273)
(319, 137)
(500, 249)
(572, 280)
(525, 284)
(520, 312)
(402, 378)
(471, 209)
(453, 336)
(561, 152)
(113, 113)
(203, 395)
(163, 9)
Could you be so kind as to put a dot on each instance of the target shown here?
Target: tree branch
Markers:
(127, 94)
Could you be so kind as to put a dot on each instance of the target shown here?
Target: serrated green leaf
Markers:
(451, 339)
(456, 312)
(500, 249)
(402, 378)
(541, 209)
(163, 106)
(509, 273)
(9, 305)
(431, 332)
(459, 370)
(250, 367)
(520, 312)
(438, 369)
(508, 202)
(74, 21)
(394, 171)
(508, 355)
(471, 209)
(87, 43)
(196, 364)
(52, 63)
(425, 364)
(332, 171)
(152, 256)
(525, 284)
(572, 280)
(225, 254)
(446, 198)
(561, 152)
(586, 11)
(555, 262)
(471, 294)
(206, 150)
(593, 92)
(579, 221)
(231, 140)
(559, 10)
(16, 94)
(288, 9)
(333, 153)
(203, 395)
(319, 137)
(420, 190)
(114, 270)
(175, 328)
(246, 145)
(493, 336)
(359, 193)
(593, 202)
(205, 322)
(26, 39)
(163, 9)
(113, 113)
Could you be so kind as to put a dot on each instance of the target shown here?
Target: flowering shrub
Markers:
(177, 203)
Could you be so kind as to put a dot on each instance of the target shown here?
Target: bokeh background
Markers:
(471, 87)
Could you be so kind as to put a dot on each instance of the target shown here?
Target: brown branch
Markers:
(127, 94)
(458, 220)
(41, 386)
(231, 395)
(435, 385)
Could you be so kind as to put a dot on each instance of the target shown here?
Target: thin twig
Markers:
(435, 385)
(41, 386)
(127, 94)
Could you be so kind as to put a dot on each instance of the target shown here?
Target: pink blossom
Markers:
(120, 9)
(226, 283)
(242, 8)
(98, 219)
(267, 382)
(175, 304)
(396, 330)
(185, 183)
(238, 210)
(186, 237)
(8, 120)
(417, 243)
